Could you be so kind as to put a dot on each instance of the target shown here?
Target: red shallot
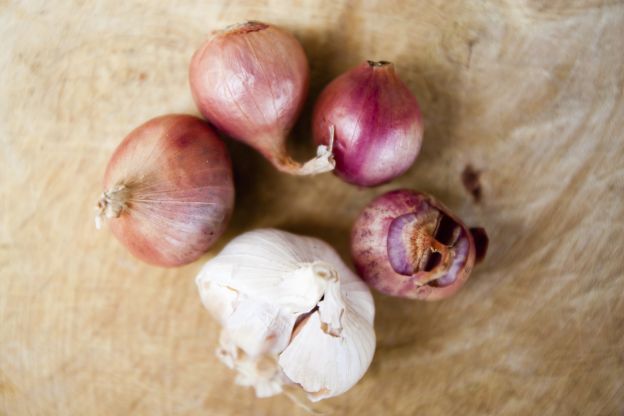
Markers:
(168, 190)
(251, 80)
(376, 121)
(407, 244)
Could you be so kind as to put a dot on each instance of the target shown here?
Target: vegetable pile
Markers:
(293, 315)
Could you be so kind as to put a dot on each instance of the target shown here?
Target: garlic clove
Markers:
(327, 363)
(357, 295)
(332, 350)
(217, 299)
(271, 267)
(261, 373)
(259, 328)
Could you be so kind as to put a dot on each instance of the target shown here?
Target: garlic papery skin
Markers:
(291, 313)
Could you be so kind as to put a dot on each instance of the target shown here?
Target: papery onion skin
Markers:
(251, 81)
(377, 121)
(377, 244)
(177, 191)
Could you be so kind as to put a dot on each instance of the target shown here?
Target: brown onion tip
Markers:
(379, 63)
(245, 27)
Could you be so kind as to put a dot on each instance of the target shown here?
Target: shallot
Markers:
(251, 80)
(376, 122)
(407, 244)
(168, 190)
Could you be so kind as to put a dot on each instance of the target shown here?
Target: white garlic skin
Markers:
(260, 284)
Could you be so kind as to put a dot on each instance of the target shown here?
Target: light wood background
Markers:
(529, 92)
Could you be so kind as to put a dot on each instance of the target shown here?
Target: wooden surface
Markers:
(527, 92)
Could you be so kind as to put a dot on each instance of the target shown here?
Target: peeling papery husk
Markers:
(291, 314)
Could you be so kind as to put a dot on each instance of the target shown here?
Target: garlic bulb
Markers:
(291, 313)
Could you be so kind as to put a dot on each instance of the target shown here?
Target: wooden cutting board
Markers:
(526, 92)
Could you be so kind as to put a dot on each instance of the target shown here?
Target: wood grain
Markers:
(527, 92)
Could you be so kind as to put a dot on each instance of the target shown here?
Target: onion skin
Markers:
(251, 81)
(377, 122)
(400, 261)
(169, 192)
